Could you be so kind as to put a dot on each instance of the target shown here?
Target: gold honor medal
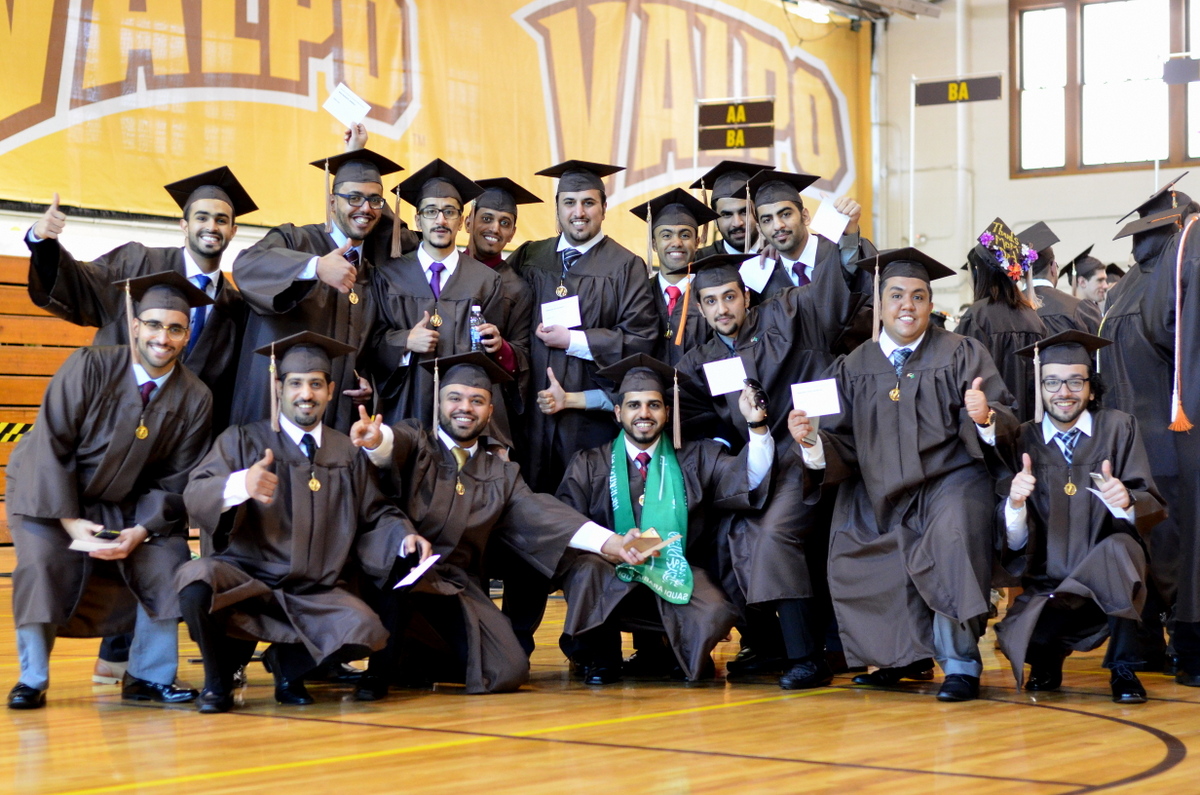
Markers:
(353, 297)
(142, 431)
(436, 320)
(1070, 489)
(314, 484)
(561, 291)
(642, 500)
(894, 394)
(459, 489)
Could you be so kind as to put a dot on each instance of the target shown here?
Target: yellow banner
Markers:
(105, 101)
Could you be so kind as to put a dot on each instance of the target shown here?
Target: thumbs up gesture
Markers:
(1023, 483)
(553, 399)
(336, 271)
(367, 431)
(976, 403)
(51, 224)
(261, 482)
(422, 338)
(1113, 491)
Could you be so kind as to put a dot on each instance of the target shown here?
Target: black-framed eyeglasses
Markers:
(431, 213)
(357, 199)
(175, 332)
(1055, 384)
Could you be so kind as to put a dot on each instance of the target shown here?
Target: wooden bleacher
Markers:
(33, 345)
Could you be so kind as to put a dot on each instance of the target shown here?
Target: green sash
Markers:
(664, 509)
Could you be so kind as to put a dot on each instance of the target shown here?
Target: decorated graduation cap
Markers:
(218, 183)
(643, 373)
(769, 187)
(1065, 347)
(1041, 239)
(305, 352)
(360, 165)
(578, 175)
(1172, 216)
(999, 250)
(501, 193)
(910, 263)
(472, 369)
(727, 180)
(676, 207)
(1165, 198)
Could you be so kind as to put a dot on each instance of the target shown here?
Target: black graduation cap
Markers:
(768, 187)
(641, 373)
(437, 179)
(578, 175)
(1159, 200)
(360, 165)
(727, 179)
(1155, 220)
(1038, 237)
(1113, 269)
(911, 262)
(468, 369)
(165, 290)
(938, 318)
(304, 352)
(1065, 347)
(218, 183)
(1083, 265)
(675, 207)
(501, 193)
(718, 269)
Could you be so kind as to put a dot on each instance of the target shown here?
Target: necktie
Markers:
(147, 389)
(309, 446)
(801, 274)
(200, 315)
(435, 279)
(351, 256)
(460, 456)
(1067, 441)
(643, 462)
(569, 257)
(899, 357)
(673, 294)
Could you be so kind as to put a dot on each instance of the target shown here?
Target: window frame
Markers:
(1073, 93)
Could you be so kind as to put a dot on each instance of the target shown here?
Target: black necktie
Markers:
(309, 446)
(1068, 440)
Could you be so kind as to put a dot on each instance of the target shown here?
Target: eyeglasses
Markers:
(431, 213)
(1055, 384)
(173, 331)
(357, 199)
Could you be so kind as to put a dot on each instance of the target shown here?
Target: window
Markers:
(1088, 90)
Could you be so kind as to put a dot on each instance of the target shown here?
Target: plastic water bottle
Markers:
(476, 321)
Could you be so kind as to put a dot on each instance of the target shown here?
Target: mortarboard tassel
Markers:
(328, 204)
(1038, 408)
(274, 393)
(437, 387)
(876, 304)
(1179, 420)
(649, 239)
(687, 294)
(749, 215)
(676, 422)
(396, 230)
(1029, 292)
(704, 228)
(129, 316)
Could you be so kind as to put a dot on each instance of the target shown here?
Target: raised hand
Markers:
(336, 271)
(355, 137)
(367, 431)
(750, 410)
(422, 338)
(261, 482)
(1023, 483)
(51, 224)
(553, 399)
(847, 206)
(1113, 491)
(976, 403)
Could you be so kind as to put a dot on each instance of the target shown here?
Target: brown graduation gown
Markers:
(282, 567)
(697, 330)
(713, 479)
(1004, 331)
(1076, 548)
(495, 503)
(83, 460)
(617, 311)
(912, 527)
(1061, 312)
(83, 293)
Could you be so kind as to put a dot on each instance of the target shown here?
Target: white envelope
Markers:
(725, 376)
(817, 398)
(828, 222)
(346, 106)
(92, 546)
(756, 272)
(417, 571)
(1115, 511)
(564, 312)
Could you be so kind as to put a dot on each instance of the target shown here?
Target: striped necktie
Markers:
(1066, 442)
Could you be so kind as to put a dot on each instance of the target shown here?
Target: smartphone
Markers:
(1097, 479)
(104, 534)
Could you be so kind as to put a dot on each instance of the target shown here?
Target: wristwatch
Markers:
(760, 424)
(990, 419)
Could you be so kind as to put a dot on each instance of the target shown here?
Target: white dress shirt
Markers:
(578, 346)
(235, 487)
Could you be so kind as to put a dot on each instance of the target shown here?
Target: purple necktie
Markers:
(435, 280)
(801, 273)
(147, 389)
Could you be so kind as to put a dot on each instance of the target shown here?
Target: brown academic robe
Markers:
(283, 567)
(1076, 548)
(517, 312)
(617, 311)
(697, 330)
(83, 460)
(713, 480)
(1061, 312)
(1003, 331)
(912, 530)
(83, 293)
(495, 504)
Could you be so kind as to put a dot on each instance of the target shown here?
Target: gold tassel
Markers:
(1029, 287)
(274, 392)
(328, 203)
(687, 293)
(676, 429)
(437, 386)
(876, 304)
(649, 239)
(704, 229)
(396, 230)
(1038, 409)
(129, 316)
(1179, 419)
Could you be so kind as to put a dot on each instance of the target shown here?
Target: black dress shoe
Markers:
(959, 687)
(643, 665)
(1187, 680)
(1044, 677)
(1170, 665)
(748, 662)
(134, 689)
(335, 673)
(26, 697)
(921, 670)
(211, 703)
(601, 675)
(813, 672)
(1126, 689)
(370, 688)
(287, 691)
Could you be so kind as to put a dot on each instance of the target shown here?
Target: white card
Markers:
(725, 376)
(1115, 511)
(564, 312)
(346, 106)
(756, 272)
(817, 398)
(828, 222)
(92, 546)
(417, 571)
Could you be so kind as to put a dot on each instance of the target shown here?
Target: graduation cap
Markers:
(907, 262)
(472, 369)
(938, 318)
(1040, 238)
(1065, 347)
(769, 187)
(1156, 220)
(727, 179)
(360, 165)
(165, 290)
(218, 183)
(437, 179)
(1112, 269)
(502, 194)
(1162, 199)
(643, 373)
(579, 175)
(305, 352)
(718, 269)
(1083, 265)
(674, 208)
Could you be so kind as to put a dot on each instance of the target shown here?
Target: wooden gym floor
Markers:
(559, 736)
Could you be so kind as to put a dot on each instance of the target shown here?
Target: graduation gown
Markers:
(497, 505)
(517, 311)
(912, 529)
(83, 293)
(1003, 331)
(1076, 548)
(617, 310)
(83, 460)
(1062, 312)
(713, 479)
(282, 567)
(696, 333)
(282, 304)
